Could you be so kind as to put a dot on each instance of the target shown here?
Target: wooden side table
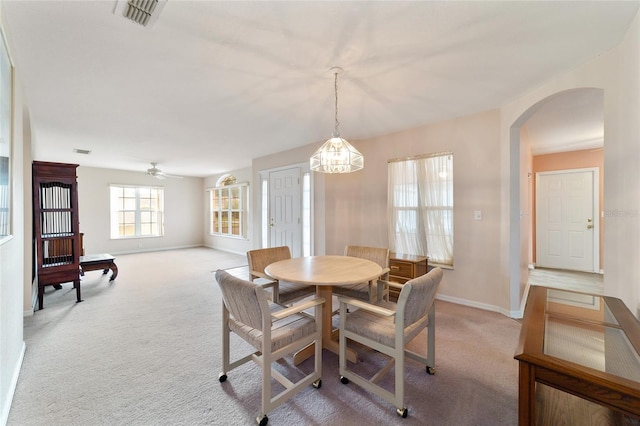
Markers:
(404, 267)
(583, 344)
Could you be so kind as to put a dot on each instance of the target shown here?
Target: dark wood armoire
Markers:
(55, 225)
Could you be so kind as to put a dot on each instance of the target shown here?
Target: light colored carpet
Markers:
(145, 350)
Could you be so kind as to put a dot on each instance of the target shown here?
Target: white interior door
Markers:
(566, 220)
(285, 227)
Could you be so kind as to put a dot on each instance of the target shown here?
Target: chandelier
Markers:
(336, 155)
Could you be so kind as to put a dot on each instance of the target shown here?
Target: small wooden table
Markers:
(96, 262)
(583, 344)
(324, 272)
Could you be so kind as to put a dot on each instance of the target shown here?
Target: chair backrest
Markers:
(261, 258)
(374, 254)
(244, 300)
(418, 295)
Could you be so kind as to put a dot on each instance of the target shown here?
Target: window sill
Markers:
(233, 237)
(137, 237)
(440, 265)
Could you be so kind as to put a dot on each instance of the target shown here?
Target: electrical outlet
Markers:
(477, 215)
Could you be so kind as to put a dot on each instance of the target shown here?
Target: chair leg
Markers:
(342, 341)
(431, 341)
(225, 340)
(266, 386)
(399, 385)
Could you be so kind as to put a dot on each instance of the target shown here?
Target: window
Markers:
(137, 211)
(227, 208)
(421, 207)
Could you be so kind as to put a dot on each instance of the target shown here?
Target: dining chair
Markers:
(387, 328)
(274, 331)
(367, 291)
(282, 292)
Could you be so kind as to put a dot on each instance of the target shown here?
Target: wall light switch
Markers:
(477, 215)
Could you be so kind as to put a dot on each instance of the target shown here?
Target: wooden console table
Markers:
(584, 344)
(96, 262)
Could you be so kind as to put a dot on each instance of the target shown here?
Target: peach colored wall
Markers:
(356, 204)
(352, 208)
(567, 161)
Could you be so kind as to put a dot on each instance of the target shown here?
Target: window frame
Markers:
(240, 210)
(138, 212)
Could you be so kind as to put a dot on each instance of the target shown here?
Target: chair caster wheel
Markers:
(344, 380)
(262, 421)
(402, 412)
(222, 377)
(431, 370)
(317, 384)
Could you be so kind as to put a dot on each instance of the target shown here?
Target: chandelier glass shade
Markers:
(336, 155)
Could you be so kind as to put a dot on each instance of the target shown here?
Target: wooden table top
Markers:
(325, 270)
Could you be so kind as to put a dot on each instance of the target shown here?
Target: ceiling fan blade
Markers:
(159, 174)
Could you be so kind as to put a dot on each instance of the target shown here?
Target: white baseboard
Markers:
(473, 304)
(6, 405)
(242, 253)
(34, 298)
(155, 249)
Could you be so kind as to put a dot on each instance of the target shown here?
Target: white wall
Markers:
(12, 277)
(618, 73)
(230, 244)
(183, 207)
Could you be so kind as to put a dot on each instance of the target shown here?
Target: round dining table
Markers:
(325, 272)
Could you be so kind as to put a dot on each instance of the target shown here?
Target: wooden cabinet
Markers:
(55, 224)
(404, 267)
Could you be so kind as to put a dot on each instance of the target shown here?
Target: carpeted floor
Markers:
(145, 350)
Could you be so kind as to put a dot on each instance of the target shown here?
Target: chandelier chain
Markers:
(335, 85)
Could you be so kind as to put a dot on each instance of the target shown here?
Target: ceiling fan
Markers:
(159, 174)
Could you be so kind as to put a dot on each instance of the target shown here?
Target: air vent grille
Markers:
(81, 151)
(139, 11)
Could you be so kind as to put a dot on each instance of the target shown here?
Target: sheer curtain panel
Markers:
(421, 206)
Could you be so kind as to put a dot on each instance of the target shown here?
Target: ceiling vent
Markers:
(143, 12)
(81, 151)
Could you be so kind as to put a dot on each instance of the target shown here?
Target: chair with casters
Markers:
(282, 292)
(372, 290)
(387, 328)
(275, 331)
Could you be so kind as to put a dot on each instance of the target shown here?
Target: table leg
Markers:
(114, 271)
(328, 341)
(526, 394)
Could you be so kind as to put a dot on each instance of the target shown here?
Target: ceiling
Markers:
(211, 85)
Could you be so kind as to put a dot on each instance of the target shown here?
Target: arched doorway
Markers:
(565, 125)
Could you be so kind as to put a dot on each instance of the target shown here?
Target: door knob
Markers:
(589, 226)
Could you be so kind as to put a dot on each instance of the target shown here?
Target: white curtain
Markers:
(420, 203)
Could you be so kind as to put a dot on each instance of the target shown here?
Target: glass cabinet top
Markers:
(582, 329)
